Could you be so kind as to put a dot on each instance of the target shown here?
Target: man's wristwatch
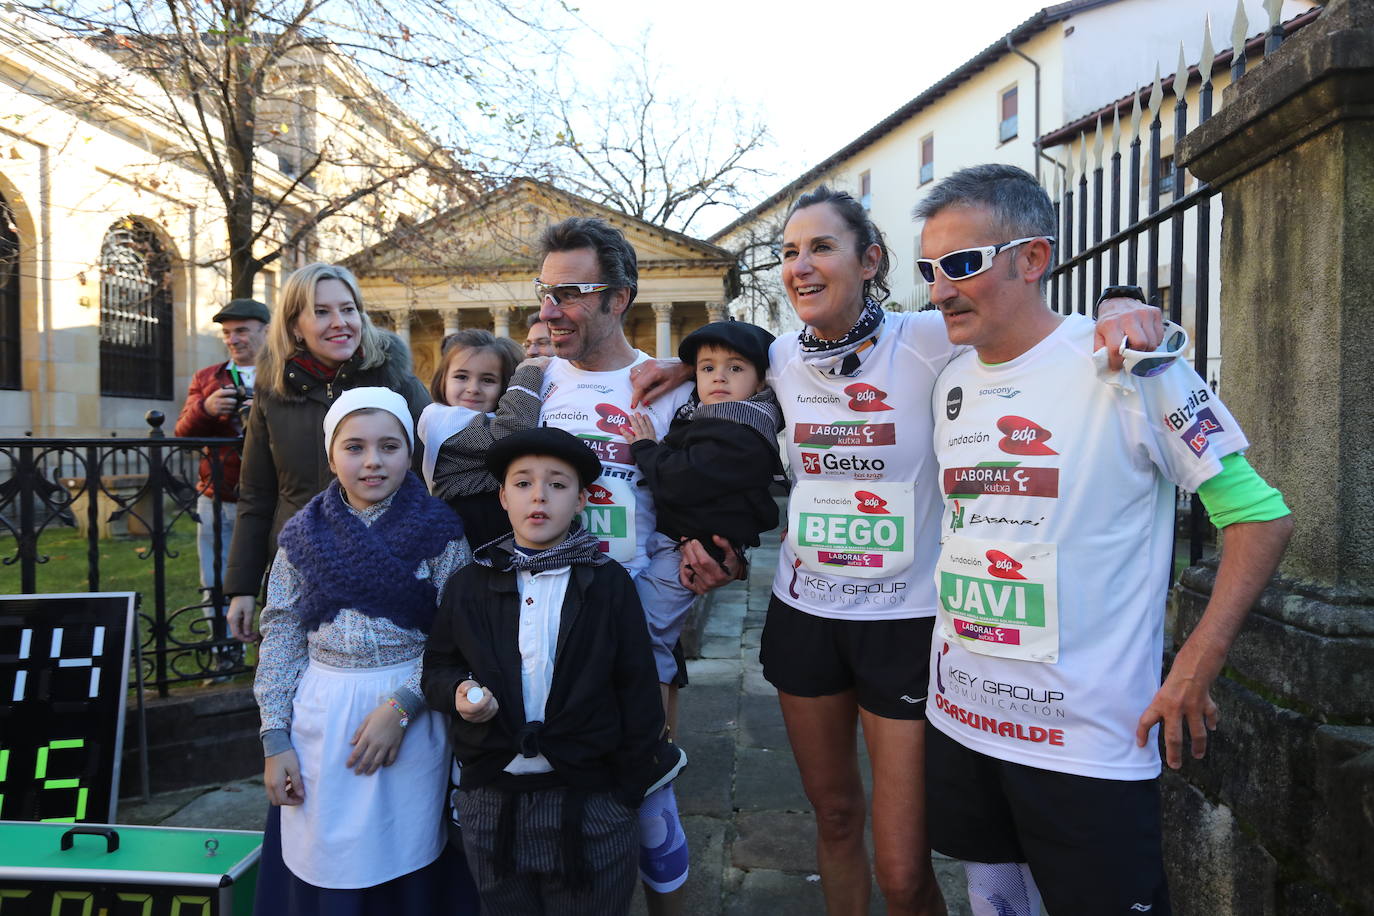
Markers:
(1119, 292)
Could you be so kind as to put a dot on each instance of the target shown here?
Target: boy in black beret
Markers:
(540, 655)
(711, 473)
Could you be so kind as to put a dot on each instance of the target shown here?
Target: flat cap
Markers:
(244, 308)
(544, 440)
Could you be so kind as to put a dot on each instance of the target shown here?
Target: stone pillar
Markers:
(1278, 819)
(451, 323)
(400, 319)
(663, 330)
(717, 311)
(500, 320)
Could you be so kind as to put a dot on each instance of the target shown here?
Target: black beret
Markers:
(748, 340)
(544, 440)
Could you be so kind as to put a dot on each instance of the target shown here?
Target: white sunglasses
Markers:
(968, 262)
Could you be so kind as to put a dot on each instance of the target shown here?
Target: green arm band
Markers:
(1238, 494)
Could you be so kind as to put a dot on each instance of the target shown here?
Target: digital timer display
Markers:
(64, 667)
(57, 898)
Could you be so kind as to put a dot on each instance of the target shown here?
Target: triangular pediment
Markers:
(499, 231)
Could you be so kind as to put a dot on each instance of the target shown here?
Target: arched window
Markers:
(9, 299)
(135, 313)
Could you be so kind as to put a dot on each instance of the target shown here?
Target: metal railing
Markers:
(1095, 250)
(148, 486)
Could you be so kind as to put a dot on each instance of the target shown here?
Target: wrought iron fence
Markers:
(147, 487)
(1096, 250)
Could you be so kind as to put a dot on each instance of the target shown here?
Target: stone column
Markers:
(663, 330)
(500, 320)
(717, 311)
(1269, 822)
(451, 323)
(400, 318)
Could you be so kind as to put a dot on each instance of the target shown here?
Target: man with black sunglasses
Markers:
(1058, 478)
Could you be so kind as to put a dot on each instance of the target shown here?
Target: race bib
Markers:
(862, 529)
(610, 517)
(1000, 598)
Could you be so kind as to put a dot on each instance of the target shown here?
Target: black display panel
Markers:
(79, 898)
(64, 667)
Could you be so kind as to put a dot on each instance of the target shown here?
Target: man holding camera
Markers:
(217, 404)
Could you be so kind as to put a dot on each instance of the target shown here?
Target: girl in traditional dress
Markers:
(356, 767)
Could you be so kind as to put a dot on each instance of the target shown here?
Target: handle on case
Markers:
(109, 833)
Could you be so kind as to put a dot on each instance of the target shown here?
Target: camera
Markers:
(243, 395)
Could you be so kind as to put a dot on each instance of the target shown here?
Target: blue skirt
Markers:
(442, 888)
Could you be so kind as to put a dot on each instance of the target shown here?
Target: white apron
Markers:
(360, 831)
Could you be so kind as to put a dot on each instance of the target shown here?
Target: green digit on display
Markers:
(11, 895)
(145, 899)
(40, 771)
(188, 900)
(4, 774)
(86, 897)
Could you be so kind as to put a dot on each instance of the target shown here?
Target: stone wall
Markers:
(1279, 818)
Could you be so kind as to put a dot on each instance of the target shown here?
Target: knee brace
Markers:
(663, 856)
(1001, 889)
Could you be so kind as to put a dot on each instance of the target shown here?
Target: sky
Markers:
(818, 73)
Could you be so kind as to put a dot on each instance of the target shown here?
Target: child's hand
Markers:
(377, 741)
(281, 775)
(470, 711)
(643, 427)
(539, 362)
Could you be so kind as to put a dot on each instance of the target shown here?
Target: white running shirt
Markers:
(865, 507)
(595, 406)
(1056, 554)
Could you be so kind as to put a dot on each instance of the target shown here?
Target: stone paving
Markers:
(748, 822)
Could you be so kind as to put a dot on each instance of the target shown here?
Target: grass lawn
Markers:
(121, 570)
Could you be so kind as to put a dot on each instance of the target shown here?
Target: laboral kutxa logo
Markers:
(1000, 478)
(845, 433)
(866, 398)
(1023, 437)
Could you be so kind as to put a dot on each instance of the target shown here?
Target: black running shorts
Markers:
(1093, 845)
(885, 662)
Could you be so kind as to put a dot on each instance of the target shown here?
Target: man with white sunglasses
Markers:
(1058, 478)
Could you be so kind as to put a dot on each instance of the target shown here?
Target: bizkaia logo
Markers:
(1183, 414)
(820, 462)
(613, 420)
(1023, 437)
(870, 503)
(999, 478)
(844, 433)
(1003, 566)
(865, 398)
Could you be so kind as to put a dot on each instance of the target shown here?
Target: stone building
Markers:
(473, 267)
(112, 240)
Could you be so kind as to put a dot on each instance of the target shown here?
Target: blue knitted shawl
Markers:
(345, 563)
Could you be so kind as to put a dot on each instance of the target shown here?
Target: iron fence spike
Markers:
(1135, 117)
(1240, 29)
(1204, 67)
(1116, 129)
(1097, 144)
(1156, 94)
(1274, 8)
(1181, 75)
